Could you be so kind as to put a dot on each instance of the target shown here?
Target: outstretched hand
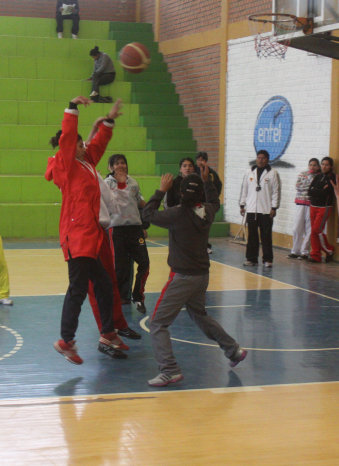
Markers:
(81, 100)
(166, 182)
(204, 172)
(115, 110)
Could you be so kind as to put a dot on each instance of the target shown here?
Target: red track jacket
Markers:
(80, 232)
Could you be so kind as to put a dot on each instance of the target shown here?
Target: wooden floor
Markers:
(280, 407)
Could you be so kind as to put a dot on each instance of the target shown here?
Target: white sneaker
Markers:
(250, 263)
(209, 251)
(60, 35)
(6, 302)
(268, 264)
(74, 36)
(161, 380)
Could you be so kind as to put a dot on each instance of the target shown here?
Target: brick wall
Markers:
(147, 11)
(196, 75)
(182, 17)
(251, 83)
(99, 10)
(240, 9)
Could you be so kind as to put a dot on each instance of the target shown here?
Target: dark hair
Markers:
(329, 160)
(202, 155)
(113, 159)
(192, 190)
(184, 159)
(264, 152)
(94, 52)
(54, 141)
(314, 159)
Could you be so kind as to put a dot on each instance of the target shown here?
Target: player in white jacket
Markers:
(260, 199)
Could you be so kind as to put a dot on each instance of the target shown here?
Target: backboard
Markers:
(325, 14)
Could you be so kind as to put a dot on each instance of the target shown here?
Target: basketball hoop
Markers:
(268, 44)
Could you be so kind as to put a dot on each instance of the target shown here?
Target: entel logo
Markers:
(273, 128)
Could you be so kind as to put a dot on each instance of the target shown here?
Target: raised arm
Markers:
(98, 143)
(69, 129)
(150, 212)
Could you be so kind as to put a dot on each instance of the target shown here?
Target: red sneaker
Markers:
(69, 350)
(113, 340)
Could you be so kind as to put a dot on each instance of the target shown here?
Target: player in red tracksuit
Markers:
(321, 196)
(73, 170)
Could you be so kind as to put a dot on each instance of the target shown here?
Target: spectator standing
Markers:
(302, 219)
(173, 195)
(201, 161)
(260, 199)
(67, 9)
(321, 194)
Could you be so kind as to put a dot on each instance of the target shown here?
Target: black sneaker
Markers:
(140, 307)
(310, 259)
(293, 256)
(111, 352)
(129, 333)
(329, 257)
(303, 257)
(105, 99)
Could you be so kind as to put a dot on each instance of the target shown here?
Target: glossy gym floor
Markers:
(280, 406)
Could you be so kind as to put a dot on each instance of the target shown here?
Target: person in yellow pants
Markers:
(4, 280)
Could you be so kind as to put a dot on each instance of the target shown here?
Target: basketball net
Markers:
(270, 43)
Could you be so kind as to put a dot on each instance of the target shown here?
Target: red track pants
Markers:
(319, 242)
(106, 256)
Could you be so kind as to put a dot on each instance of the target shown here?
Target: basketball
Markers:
(134, 57)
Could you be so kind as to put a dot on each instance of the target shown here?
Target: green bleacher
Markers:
(39, 75)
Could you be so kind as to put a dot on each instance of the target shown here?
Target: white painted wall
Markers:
(305, 81)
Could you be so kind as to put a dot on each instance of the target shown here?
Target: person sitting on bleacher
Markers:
(67, 9)
(103, 73)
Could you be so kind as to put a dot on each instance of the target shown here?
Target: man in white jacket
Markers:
(260, 199)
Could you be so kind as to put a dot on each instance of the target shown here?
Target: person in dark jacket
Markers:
(321, 197)
(103, 73)
(188, 224)
(67, 9)
(173, 195)
(201, 161)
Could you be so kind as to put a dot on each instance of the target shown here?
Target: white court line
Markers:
(148, 394)
(154, 242)
(143, 321)
(277, 281)
(18, 345)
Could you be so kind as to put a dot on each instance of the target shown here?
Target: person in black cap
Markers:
(188, 225)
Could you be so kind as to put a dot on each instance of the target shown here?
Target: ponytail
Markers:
(94, 52)
(54, 141)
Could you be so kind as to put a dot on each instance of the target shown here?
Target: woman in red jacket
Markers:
(73, 170)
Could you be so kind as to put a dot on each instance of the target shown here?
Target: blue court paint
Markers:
(280, 319)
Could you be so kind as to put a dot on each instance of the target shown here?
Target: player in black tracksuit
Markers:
(321, 196)
(188, 225)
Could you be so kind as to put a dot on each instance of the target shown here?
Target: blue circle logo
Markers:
(273, 128)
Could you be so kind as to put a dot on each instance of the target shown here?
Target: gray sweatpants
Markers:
(189, 290)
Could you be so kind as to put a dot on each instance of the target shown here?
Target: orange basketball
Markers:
(134, 57)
